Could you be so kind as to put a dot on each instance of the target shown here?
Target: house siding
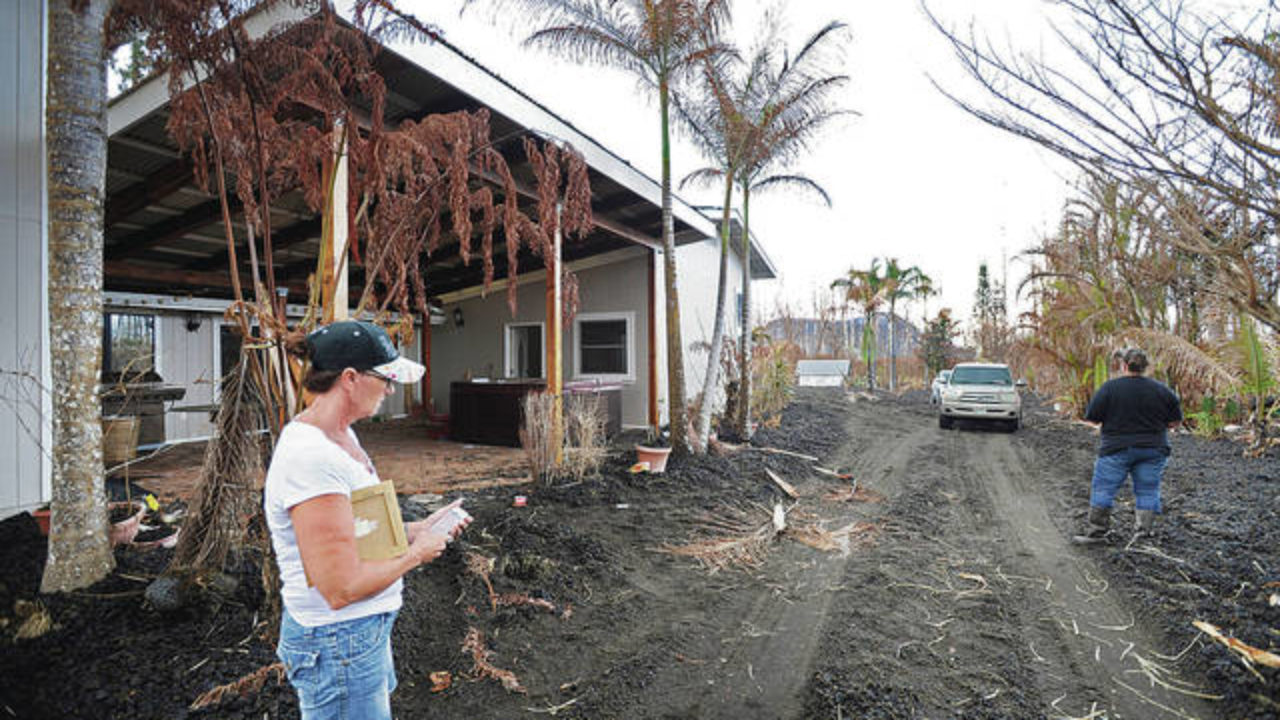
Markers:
(25, 410)
(698, 266)
(186, 358)
(478, 346)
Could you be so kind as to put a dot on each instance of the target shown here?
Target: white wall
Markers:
(24, 401)
(187, 358)
(698, 274)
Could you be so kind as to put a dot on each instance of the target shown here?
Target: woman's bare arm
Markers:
(325, 529)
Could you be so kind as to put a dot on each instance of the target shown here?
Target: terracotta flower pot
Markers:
(124, 531)
(42, 520)
(656, 457)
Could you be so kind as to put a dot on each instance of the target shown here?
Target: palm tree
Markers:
(79, 552)
(660, 42)
(868, 290)
(793, 104)
(717, 119)
(901, 283)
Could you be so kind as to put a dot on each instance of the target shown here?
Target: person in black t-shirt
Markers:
(1136, 413)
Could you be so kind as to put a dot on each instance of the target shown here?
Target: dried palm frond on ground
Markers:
(482, 566)
(232, 461)
(36, 619)
(808, 532)
(736, 537)
(1248, 654)
(244, 687)
(473, 645)
(854, 493)
(521, 599)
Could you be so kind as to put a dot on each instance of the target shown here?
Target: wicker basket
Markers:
(119, 439)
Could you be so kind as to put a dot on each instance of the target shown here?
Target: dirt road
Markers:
(971, 602)
(977, 605)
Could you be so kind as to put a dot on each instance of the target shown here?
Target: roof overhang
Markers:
(163, 234)
(762, 267)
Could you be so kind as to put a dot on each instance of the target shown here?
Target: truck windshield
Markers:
(981, 376)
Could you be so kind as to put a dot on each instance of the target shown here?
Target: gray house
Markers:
(167, 284)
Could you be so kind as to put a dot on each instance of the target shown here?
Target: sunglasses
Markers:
(380, 376)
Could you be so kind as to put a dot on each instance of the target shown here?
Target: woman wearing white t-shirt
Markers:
(335, 631)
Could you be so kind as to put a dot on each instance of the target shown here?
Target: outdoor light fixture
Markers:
(457, 317)
(435, 312)
(193, 321)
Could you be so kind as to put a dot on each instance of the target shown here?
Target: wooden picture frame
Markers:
(379, 528)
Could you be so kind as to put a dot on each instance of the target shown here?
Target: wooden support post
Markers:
(428, 403)
(341, 228)
(654, 419)
(555, 339)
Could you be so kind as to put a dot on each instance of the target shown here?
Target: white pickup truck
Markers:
(981, 391)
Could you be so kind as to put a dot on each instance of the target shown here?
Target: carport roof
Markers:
(163, 235)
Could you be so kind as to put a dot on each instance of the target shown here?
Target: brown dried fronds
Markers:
(736, 537)
(855, 493)
(232, 460)
(473, 644)
(244, 687)
(36, 620)
(523, 600)
(1248, 654)
(482, 567)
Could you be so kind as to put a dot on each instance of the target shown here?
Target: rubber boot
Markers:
(1144, 524)
(1099, 525)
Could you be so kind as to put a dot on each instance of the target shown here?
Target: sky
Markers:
(911, 176)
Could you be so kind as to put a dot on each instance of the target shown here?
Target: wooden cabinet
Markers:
(488, 413)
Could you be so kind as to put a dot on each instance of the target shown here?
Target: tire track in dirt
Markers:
(976, 605)
(784, 628)
(753, 652)
(1105, 656)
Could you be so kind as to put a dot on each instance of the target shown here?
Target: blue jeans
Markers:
(341, 671)
(1146, 465)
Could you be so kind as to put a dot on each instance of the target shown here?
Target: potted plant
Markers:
(654, 451)
(157, 529)
(126, 519)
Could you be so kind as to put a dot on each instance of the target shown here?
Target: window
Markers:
(604, 346)
(128, 343)
(981, 376)
(229, 343)
(524, 350)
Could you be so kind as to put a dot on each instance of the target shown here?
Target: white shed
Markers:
(822, 373)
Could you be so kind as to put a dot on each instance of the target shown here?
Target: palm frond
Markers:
(1184, 358)
(795, 181)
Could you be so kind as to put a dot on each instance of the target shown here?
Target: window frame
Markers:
(108, 337)
(629, 352)
(508, 347)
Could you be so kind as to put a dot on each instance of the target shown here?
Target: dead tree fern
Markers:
(232, 461)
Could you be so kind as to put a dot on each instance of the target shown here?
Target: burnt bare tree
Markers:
(1164, 97)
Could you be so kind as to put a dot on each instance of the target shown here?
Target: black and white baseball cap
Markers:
(361, 346)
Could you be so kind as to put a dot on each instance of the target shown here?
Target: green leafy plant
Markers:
(1207, 421)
